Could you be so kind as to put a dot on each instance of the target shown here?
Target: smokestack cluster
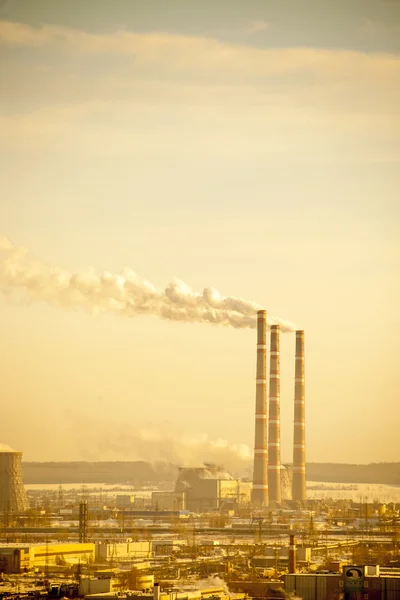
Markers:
(267, 454)
(124, 294)
(260, 476)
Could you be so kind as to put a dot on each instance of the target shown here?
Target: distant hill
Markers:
(138, 473)
(141, 473)
(388, 473)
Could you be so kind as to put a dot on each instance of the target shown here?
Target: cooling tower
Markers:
(12, 492)
(260, 474)
(299, 438)
(274, 433)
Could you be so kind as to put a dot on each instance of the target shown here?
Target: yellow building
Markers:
(19, 558)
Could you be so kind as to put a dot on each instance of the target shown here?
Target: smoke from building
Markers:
(123, 294)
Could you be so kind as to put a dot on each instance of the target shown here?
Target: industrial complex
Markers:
(211, 535)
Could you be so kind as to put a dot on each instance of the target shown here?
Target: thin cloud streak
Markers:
(206, 56)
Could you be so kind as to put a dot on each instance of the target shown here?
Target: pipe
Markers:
(260, 474)
(292, 554)
(156, 591)
(299, 439)
(274, 427)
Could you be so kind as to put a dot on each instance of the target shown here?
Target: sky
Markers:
(248, 146)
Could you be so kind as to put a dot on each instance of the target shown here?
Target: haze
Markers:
(248, 146)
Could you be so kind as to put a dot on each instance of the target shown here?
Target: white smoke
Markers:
(121, 294)
(214, 581)
(98, 439)
(5, 448)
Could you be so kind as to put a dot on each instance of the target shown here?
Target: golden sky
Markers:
(245, 146)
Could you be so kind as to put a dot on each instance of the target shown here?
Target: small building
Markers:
(128, 550)
(91, 585)
(175, 501)
(211, 488)
(355, 581)
(168, 546)
(124, 501)
(279, 556)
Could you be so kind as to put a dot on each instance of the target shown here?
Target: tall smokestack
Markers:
(299, 441)
(260, 474)
(292, 554)
(274, 427)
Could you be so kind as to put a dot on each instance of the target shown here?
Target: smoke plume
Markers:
(123, 294)
(99, 439)
(5, 448)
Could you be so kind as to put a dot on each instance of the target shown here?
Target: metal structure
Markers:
(292, 554)
(299, 440)
(274, 434)
(260, 473)
(83, 522)
(13, 497)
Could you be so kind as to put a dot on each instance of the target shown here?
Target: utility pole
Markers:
(259, 521)
(83, 522)
(46, 560)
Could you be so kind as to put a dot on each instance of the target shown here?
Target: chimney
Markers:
(260, 475)
(156, 591)
(292, 554)
(299, 438)
(12, 492)
(274, 427)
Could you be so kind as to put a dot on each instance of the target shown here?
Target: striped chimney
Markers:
(260, 475)
(299, 441)
(274, 427)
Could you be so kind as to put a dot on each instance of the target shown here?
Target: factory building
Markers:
(19, 558)
(354, 582)
(123, 501)
(122, 550)
(13, 497)
(175, 501)
(211, 488)
(279, 557)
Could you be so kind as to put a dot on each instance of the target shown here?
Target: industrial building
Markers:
(128, 550)
(124, 501)
(175, 501)
(20, 558)
(354, 582)
(211, 488)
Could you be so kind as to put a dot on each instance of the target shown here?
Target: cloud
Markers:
(376, 29)
(204, 57)
(194, 92)
(241, 30)
(98, 439)
(258, 25)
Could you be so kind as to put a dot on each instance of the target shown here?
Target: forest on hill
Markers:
(141, 473)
